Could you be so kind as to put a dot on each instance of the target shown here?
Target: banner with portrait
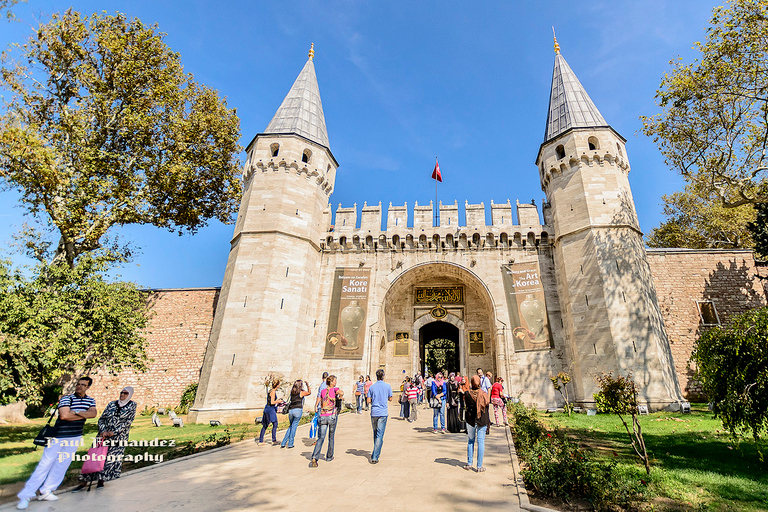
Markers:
(527, 306)
(345, 337)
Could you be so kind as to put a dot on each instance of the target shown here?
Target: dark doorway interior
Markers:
(439, 348)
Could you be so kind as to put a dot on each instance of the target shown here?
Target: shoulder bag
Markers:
(47, 432)
(435, 403)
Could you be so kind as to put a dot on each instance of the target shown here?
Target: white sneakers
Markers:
(49, 496)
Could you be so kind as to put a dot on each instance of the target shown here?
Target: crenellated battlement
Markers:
(346, 234)
(251, 169)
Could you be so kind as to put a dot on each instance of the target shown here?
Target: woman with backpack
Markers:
(405, 406)
(326, 424)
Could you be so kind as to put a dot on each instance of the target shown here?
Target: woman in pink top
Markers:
(327, 422)
(499, 409)
(368, 384)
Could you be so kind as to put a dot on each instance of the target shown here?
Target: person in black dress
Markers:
(453, 420)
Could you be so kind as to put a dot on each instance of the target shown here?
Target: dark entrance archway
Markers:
(439, 347)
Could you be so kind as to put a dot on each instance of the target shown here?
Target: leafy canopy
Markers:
(697, 219)
(66, 321)
(714, 124)
(104, 128)
(732, 366)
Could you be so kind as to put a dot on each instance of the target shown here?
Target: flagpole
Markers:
(437, 218)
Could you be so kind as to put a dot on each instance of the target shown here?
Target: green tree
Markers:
(758, 229)
(732, 366)
(66, 321)
(696, 219)
(618, 395)
(560, 383)
(104, 128)
(714, 124)
(5, 6)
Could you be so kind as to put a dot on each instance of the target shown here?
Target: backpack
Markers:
(327, 403)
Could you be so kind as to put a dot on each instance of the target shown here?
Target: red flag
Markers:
(436, 173)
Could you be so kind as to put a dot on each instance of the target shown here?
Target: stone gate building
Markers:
(535, 292)
(308, 289)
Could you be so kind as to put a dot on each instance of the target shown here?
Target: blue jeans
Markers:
(294, 415)
(379, 424)
(439, 413)
(405, 410)
(360, 400)
(479, 434)
(325, 425)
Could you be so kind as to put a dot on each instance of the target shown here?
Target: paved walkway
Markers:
(418, 470)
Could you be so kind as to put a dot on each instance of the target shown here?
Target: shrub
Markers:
(187, 398)
(733, 369)
(556, 466)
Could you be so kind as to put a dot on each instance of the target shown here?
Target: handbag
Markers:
(283, 408)
(46, 433)
(313, 426)
(435, 403)
(97, 456)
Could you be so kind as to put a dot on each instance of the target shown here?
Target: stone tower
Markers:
(266, 310)
(611, 316)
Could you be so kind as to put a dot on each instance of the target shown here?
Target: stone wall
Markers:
(683, 277)
(182, 322)
(177, 337)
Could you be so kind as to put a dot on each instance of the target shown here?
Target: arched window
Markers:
(560, 150)
(306, 156)
(593, 143)
(274, 149)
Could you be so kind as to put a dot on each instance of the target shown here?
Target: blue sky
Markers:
(402, 83)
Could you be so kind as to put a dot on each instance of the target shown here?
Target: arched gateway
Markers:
(437, 316)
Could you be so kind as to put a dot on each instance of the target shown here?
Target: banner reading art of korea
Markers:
(527, 307)
(345, 338)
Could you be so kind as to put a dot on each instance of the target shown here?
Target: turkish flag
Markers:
(436, 173)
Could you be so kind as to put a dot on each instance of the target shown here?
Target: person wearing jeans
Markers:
(439, 390)
(380, 394)
(326, 424)
(295, 410)
(478, 422)
(360, 394)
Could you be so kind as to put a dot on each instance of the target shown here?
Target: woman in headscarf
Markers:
(439, 392)
(478, 422)
(454, 422)
(114, 427)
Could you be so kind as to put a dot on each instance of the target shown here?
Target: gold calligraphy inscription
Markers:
(451, 295)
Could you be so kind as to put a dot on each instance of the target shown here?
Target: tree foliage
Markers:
(758, 229)
(66, 321)
(5, 8)
(714, 124)
(618, 395)
(697, 219)
(732, 366)
(560, 383)
(104, 128)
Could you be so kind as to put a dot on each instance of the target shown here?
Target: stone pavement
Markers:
(418, 470)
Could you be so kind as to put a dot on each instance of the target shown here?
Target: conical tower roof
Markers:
(301, 112)
(569, 104)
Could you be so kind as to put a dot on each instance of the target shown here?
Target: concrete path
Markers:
(418, 470)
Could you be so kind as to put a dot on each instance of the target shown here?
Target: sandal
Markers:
(481, 470)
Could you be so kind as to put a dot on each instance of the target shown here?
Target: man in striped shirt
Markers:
(50, 471)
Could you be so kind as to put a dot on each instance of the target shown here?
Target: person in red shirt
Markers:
(499, 408)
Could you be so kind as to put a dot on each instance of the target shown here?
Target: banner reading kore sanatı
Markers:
(527, 307)
(345, 338)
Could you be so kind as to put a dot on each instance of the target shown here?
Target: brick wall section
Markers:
(177, 337)
(681, 277)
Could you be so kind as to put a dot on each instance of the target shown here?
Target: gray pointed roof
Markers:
(569, 104)
(301, 112)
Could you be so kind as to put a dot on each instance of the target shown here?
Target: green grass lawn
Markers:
(18, 456)
(694, 462)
